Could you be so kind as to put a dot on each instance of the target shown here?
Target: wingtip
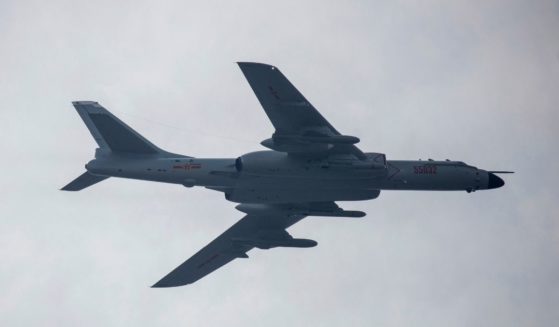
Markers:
(159, 284)
(66, 188)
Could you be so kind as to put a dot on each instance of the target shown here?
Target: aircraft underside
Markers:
(309, 166)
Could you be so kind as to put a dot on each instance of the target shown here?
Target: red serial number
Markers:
(427, 169)
(187, 166)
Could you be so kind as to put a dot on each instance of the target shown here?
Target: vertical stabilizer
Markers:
(110, 132)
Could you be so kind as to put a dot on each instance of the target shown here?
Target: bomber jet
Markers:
(309, 166)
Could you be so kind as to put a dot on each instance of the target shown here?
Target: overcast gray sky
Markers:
(468, 80)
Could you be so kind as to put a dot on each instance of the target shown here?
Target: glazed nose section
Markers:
(494, 181)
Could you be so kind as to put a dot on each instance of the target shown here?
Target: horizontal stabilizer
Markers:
(85, 180)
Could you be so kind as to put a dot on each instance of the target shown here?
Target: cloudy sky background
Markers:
(476, 81)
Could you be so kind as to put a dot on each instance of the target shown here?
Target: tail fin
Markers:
(112, 136)
(110, 132)
(84, 180)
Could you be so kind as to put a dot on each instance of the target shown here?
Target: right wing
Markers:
(264, 230)
(263, 227)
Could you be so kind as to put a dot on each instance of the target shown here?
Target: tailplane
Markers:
(84, 180)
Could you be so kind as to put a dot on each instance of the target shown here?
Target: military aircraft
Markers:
(309, 167)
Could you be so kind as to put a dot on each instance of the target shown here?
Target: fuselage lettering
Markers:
(425, 170)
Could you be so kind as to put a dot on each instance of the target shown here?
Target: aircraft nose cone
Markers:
(494, 181)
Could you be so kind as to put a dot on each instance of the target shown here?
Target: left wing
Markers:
(263, 227)
(300, 128)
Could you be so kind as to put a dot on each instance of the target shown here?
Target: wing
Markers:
(264, 230)
(300, 128)
(263, 227)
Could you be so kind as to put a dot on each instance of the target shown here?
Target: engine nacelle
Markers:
(273, 162)
(264, 243)
(267, 162)
(272, 196)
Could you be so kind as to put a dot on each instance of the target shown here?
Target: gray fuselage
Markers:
(275, 177)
